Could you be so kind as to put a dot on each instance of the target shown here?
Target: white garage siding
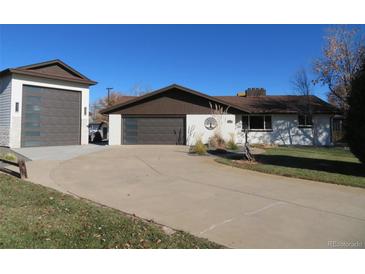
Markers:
(285, 131)
(17, 94)
(195, 128)
(5, 113)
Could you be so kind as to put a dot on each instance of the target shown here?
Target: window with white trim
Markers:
(305, 121)
(256, 122)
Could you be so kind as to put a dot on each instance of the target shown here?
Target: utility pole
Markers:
(109, 89)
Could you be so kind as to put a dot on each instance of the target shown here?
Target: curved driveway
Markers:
(231, 206)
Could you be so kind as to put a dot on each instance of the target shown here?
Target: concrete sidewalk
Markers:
(234, 207)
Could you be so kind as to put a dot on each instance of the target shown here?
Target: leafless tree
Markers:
(303, 87)
(218, 111)
(115, 97)
(301, 83)
(342, 54)
(139, 89)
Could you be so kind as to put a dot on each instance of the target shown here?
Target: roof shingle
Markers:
(280, 104)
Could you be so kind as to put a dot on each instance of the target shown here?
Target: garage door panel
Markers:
(50, 117)
(154, 130)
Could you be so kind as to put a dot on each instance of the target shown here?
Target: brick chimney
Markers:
(251, 92)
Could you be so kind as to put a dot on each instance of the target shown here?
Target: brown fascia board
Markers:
(23, 71)
(48, 76)
(156, 92)
(51, 62)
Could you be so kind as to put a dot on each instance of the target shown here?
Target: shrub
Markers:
(9, 157)
(199, 148)
(355, 120)
(231, 145)
(217, 141)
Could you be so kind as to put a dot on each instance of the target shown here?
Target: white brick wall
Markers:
(286, 132)
(195, 127)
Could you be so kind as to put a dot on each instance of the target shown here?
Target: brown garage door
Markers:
(50, 117)
(154, 130)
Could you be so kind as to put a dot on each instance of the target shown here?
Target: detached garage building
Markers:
(44, 104)
(180, 116)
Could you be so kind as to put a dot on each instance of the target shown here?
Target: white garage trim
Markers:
(18, 81)
(115, 129)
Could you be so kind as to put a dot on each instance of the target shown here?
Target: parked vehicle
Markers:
(98, 132)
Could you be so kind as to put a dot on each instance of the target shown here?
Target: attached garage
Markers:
(166, 116)
(154, 130)
(51, 117)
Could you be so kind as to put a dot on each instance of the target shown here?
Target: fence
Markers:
(20, 164)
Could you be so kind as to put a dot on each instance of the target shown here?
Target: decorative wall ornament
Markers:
(210, 123)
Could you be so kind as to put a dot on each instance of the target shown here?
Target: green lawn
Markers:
(330, 165)
(33, 216)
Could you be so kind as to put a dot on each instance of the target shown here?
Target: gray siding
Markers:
(5, 110)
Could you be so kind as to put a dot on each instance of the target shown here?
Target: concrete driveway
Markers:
(57, 153)
(231, 206)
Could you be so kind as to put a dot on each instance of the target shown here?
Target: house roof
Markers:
(286, 104)
(53, 69)
(281, 104)
(126, 98)
(136, 99)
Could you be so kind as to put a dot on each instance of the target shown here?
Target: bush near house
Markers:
(199, 148)
(231, 144)
(217, 141)
(33, 216)
(8, 157)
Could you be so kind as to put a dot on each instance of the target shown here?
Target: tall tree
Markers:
(355, 120)
(342, 55)
(301, 83)
(139, 89)
(114, 98)
(303, 87)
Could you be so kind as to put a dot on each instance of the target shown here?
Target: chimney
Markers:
(252, 92)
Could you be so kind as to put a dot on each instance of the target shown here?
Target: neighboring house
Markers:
(178, 115)
(44, 104)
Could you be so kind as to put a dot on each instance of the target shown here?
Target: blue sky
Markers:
(215, 59)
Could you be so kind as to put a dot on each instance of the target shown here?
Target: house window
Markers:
(305, 121)
(257, 122)
(245, 122)
(85, 110)
(16, 107)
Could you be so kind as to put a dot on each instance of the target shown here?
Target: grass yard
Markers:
(33, 216)
(330, 165)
